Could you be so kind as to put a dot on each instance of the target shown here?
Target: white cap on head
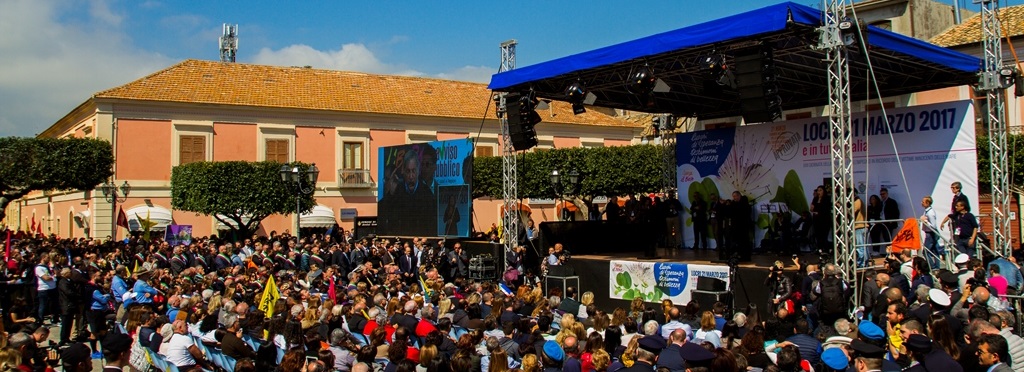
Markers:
(961, 259)
(939, 297)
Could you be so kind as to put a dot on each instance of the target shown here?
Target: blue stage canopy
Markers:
(902, 65)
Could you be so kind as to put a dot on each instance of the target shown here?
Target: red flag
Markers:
(331, 292)
(39, 227)
(7, 251)
(122, 219)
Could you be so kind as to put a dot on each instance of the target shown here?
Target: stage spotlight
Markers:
(713, 66)
(578, 96)
(643, 82)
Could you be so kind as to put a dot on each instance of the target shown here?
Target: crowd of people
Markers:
(356, 305)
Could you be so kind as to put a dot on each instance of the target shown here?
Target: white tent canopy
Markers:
(221, 226)
(157, 214)
(320, 216)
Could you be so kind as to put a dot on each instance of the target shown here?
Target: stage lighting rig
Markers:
(642, 83)
(578, 95)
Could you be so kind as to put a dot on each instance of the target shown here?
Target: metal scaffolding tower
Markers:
(510, 188)
(832, 41)
(994, 80)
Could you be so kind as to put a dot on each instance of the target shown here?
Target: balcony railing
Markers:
(355, 178)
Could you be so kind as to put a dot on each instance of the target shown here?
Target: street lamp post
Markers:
(572, 179)
(113, 195)
(304, 183)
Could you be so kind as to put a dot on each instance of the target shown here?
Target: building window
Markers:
(191, 149)
(352, 155)
(481, 151)
(277, 150)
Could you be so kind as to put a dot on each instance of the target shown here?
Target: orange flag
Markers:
(909, 237)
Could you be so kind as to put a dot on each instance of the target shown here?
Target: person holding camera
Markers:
(780, 287)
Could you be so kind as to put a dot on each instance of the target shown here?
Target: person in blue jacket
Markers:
(143, 291)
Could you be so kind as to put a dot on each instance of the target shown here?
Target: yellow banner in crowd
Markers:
(270, 296)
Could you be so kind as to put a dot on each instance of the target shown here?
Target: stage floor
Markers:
(707, 257)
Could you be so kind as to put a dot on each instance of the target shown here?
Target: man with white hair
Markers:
(407, 318)
(232, 344)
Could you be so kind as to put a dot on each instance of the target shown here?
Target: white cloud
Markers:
(351, 57)
(357, 57)
(49, 67)
(476, 74)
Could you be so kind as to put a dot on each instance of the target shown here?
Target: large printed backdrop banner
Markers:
(424, 189)
(777, 166)
(656, 281)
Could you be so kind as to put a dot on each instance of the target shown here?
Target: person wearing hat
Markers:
(650, 347)
(144, 292)
(867, 357)
(116, 351)
(552, 357)
(696, 355)
(76, 358)
(833, 360)
(928, 358)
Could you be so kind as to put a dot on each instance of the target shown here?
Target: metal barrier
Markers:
(1016, 305)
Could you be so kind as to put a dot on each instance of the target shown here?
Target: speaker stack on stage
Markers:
(757, 83)
(561, 276)
(522, 117)
(709, 291)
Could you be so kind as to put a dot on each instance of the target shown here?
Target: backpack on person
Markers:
(832, 300)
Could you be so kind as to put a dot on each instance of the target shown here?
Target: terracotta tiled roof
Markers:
(969, 32)
(209, 82)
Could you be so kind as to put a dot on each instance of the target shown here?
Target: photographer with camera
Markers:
(34, 358)
(780, 288)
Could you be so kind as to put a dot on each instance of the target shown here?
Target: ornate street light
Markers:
(572, 179)
(304, 183)
(114, 195)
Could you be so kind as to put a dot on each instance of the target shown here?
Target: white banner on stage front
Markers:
(656, 281)
(777, 166)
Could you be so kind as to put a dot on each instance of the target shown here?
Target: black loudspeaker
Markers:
(522, 117)
(707, 300)
(561, 271)
(710, 284)
(757, 83)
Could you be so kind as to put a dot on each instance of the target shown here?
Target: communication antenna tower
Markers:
(228, 43)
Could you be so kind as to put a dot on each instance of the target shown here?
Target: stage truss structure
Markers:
(510, 219)
(841, 140)
(993, 83)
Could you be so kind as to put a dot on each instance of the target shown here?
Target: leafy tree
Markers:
(237, 190)
(604, 171)
(41, 164)
(1015, 160)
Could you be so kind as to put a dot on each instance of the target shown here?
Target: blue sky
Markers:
(55, 53)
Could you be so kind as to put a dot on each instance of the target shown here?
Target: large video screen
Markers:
(424, 189)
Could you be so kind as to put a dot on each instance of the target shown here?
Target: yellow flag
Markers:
(136, 269)
(270, 296)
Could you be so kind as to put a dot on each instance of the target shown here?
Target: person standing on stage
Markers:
(699, 214)
(930, 232)
(890, 211)
(716, 219)
(821, 218)
(741, 226)
(958, 195)
(965, 229)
